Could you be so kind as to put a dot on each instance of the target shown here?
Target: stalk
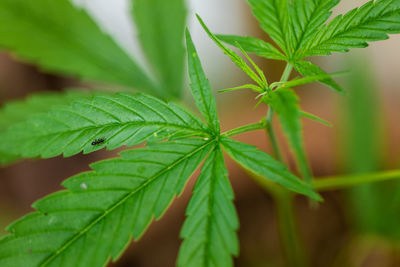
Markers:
(291, 242)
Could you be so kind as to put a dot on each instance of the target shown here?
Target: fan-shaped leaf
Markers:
(210, 228)
(371, 22)
(161, 25)
(263, 164)
(91, 124)
(99, 213)
(62, 38)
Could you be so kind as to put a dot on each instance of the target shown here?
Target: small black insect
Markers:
(97, 141)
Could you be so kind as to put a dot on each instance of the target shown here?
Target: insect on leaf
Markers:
(100, 211)
(119, 120)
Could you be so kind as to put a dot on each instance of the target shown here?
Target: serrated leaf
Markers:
(17, 111)
(102, 210)
(273, 17)
(200, 86)
(265, 165)
(286, 104)
(371, 22)
(306, 17)
(90, 124)
(253, 45)
(209, 230)
(305, 80)
(62, 38)
(161, 26)
(232, 55)
(306, 68)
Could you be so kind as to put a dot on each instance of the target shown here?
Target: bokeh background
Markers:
(359, 227)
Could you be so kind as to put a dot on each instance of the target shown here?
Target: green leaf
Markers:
(273, 17)
(210, 228)
(307, 16)
(102, 210)
(118, 120)
(62, 38)
(371, 22)
(17, 111)
(253, 45)
(161, 26)
(315, 118)
(264, 165)
(306, 68)
(233, 56)
(201, 88)
(286, 104)
(306, 80)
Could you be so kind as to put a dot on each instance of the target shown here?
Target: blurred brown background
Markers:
(326, 230)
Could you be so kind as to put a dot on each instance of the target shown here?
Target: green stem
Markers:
(269, 128)
(244, 129)
(292, 245)
(346, 181)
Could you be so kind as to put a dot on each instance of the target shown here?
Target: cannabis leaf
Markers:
(161, 26)
(306, 17)
(306, 68)
(99, 213)
(118, 120)
(371, 22)
(20, 110)
(62, 38)
(286, 104)
(210, 228)
(263, 164)
(273, 17)
(201, 88)
(253, 45)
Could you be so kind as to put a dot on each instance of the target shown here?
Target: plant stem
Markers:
(346, 181)
(269, 128)
(292, 245)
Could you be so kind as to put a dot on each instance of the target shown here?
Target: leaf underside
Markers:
(118, 120)
(209, 231)
(99, 213)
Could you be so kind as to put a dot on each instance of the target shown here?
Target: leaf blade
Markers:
(69, 43)
(263, 164)
(209, 230)
(253, 45)
(161, 27)
(90, 124)
(102, 210)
